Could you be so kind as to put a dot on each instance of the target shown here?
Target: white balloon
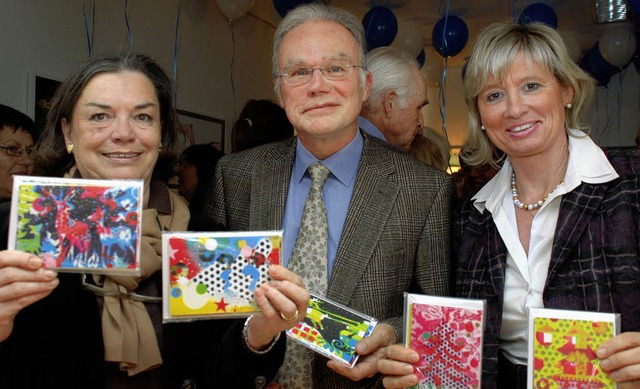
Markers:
(432, 66)
(617, 45)
(408, 38)
(573, 46)
(233, 9)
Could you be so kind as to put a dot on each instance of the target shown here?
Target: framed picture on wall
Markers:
(205, 129)
(41, 90)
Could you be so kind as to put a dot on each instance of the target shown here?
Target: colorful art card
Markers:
(332, 329)
(562, 348)
(209, 275)
(447, 333)
(78, 225)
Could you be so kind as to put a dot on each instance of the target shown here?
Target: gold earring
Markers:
(69, 148)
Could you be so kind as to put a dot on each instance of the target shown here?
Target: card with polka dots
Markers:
(447, 333)
(332, 329)
(208, 275)
(562, 348)
(78, 225)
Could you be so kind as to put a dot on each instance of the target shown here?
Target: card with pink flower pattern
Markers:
(447, 333)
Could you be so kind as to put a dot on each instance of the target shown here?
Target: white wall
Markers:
(47, 37)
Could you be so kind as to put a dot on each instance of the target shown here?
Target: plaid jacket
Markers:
(395, 236)
(595, 259)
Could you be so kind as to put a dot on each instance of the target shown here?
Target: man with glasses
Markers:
(17, 135)
(387, 214)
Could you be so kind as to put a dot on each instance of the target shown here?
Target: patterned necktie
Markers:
(309, 261)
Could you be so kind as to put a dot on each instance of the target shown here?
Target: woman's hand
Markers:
(282, 302)
(397, 367)
(620, 357)
(23, 281)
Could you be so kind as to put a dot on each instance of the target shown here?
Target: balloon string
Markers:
(86, 26)
(233, 60)
(126, 21)
(175, 56)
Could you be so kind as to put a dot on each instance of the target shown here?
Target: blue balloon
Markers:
(284, 6)
(380, 27)
(585, 64)
(454, 38)
(539, 12)
(421, 58)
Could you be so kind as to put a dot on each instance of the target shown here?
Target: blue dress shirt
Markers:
(336, 194)
(370, 128)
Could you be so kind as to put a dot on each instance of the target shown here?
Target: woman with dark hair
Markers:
(259, 123)
(196, 166)
(111, 119)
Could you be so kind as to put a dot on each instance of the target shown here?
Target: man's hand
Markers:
(371, 349)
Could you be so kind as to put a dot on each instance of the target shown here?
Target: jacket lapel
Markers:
(269, 188)
(373, 198)
(576, 210)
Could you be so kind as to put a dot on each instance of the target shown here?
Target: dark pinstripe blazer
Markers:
(395, 236)
(595, 259)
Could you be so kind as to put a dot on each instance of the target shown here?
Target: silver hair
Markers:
(495, 49)
(392, 70)
(318, 12)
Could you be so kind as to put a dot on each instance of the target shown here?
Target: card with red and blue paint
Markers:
(332, 329)
(78, 225)
(209, 275)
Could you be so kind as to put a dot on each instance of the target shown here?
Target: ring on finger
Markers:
(291, 319)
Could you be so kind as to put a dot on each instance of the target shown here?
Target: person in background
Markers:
(17, 136)
(112, 119)
(398, 93)
(559, 225)
(431, 148)
(260, 122)
(387, 214)
(195, 170)
(473, 178)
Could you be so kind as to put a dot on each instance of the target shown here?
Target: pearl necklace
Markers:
(520, 204)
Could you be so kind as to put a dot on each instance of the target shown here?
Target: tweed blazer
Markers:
(595, 258)
(395, 236)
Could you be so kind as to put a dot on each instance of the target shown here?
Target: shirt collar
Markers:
(343, 164)
(370, 128)
(587, 163)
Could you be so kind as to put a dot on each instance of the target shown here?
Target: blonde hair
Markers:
(431, 148)
(494, 50)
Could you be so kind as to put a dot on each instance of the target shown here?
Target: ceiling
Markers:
(575, 17)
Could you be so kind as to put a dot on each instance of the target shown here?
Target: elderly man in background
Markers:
(399, 91)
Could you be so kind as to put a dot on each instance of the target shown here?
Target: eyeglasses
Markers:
(302, 75)
(17, 151)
